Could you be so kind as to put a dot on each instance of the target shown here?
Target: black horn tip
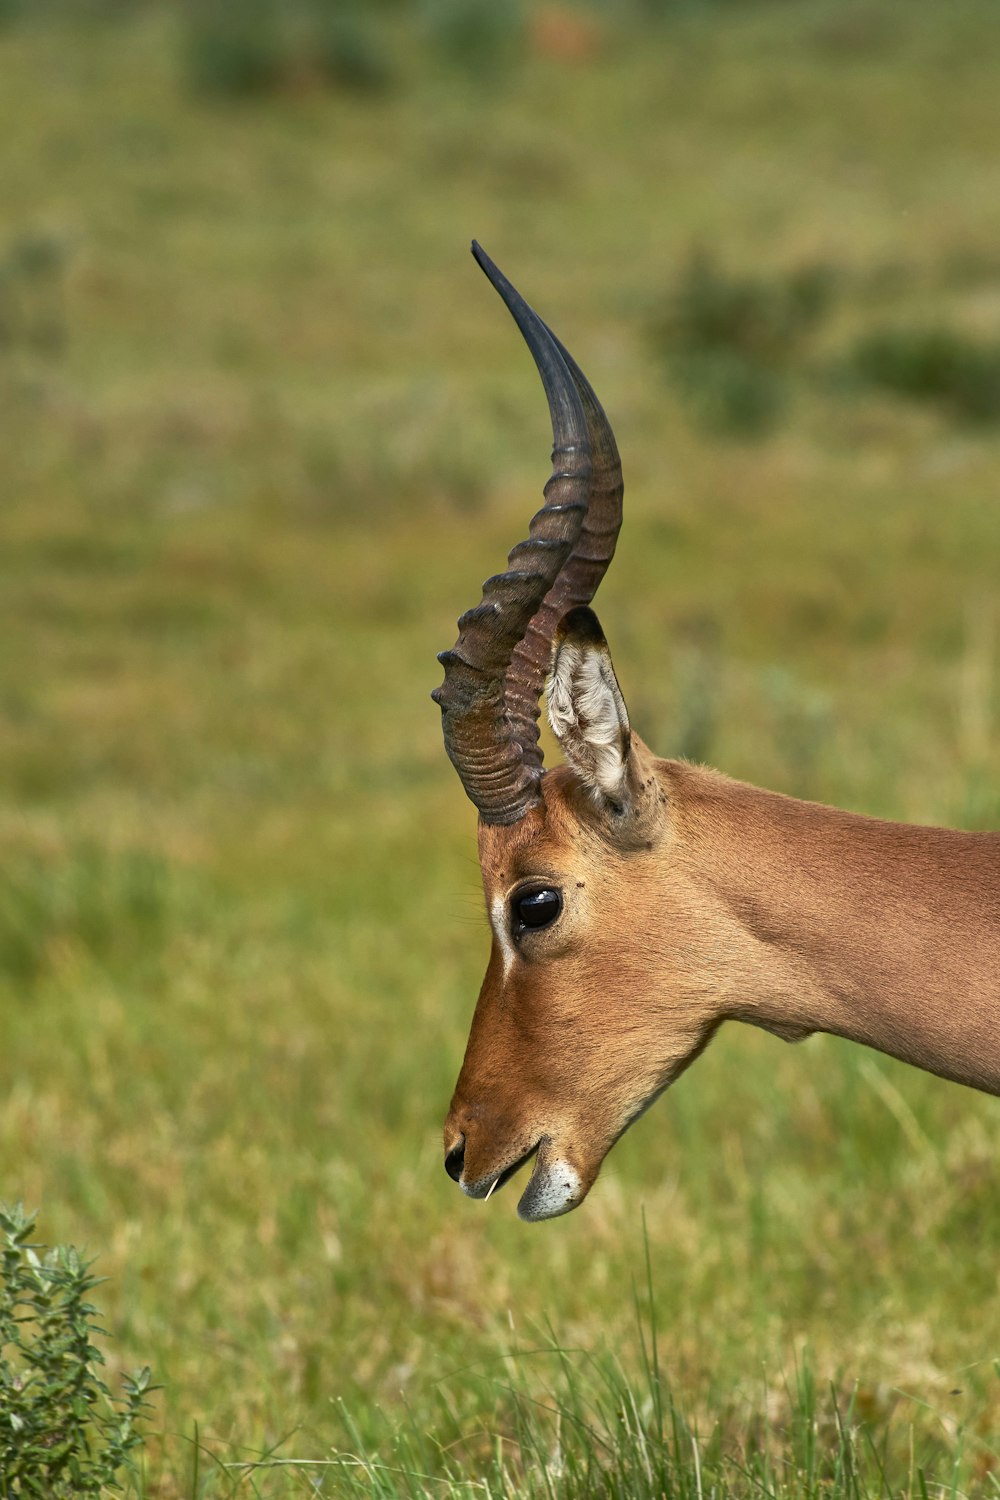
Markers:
(496, 278)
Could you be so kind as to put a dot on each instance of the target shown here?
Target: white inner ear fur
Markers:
(588, 716)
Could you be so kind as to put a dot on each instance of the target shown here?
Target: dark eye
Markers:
(535, 909)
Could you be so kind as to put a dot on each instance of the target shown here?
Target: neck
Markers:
(885, 933)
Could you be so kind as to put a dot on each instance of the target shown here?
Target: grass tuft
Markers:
(569, 1424)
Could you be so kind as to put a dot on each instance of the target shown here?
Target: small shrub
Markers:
(933, 364)
(62, 1434)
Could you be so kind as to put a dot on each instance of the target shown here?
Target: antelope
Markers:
(637, 903)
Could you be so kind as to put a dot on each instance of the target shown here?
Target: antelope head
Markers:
(571, 858)
(637, 903)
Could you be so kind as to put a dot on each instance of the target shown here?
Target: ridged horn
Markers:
(495, 672)
(578, 581)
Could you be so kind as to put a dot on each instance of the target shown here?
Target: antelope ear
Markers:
(587, 711)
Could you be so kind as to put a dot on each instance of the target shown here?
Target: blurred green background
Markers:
(265, 429)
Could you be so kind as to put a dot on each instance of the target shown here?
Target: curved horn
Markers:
(490, 724)
(479, 733)
(579, 579)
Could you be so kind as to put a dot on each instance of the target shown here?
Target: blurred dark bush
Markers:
(32, 293)
(71, 10)
(240, 49)
(763, 319)
(728, 393)
(730, 341)
(347, 49)
(481, 37)
(246, 48)
(933, 364)
(233, 48)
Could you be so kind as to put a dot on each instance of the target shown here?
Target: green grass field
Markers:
(265, 430)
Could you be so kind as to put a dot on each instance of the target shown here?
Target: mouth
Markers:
(553, 1188)
(484, 1188)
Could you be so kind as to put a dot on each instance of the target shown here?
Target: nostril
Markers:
(455, 1160)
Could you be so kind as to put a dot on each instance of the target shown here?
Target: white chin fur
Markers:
(554, 1189)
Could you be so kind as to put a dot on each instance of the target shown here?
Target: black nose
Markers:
(454, 1160)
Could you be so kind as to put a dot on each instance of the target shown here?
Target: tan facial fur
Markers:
(542, 1068)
